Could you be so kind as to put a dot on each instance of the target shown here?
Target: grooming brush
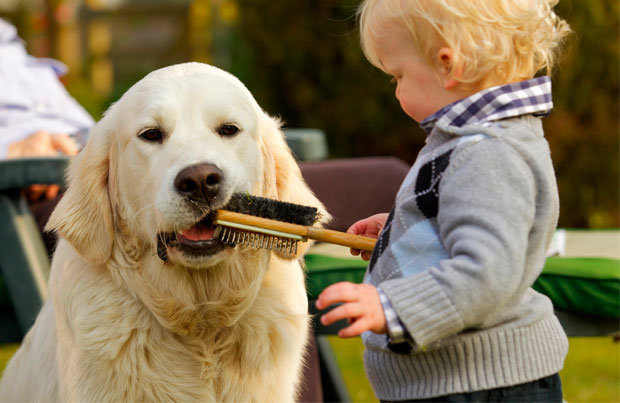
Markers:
(275, 225)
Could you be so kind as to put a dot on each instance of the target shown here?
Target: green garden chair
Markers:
(24, 263)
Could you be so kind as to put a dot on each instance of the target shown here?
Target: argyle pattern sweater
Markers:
(456, 259)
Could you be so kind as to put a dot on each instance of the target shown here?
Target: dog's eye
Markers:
(152, 135)
(227, 130)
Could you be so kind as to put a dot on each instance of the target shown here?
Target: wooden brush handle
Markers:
(341, 238)
(316, 233)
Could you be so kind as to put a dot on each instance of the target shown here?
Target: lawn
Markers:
(591, 372)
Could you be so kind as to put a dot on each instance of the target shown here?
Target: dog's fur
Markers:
(121, 324)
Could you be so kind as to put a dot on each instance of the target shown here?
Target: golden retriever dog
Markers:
(208, 321)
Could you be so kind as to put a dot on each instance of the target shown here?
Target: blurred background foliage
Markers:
(303, 63)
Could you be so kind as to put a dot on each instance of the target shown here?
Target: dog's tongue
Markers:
(199, 233)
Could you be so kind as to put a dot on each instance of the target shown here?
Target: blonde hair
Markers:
(495, 41)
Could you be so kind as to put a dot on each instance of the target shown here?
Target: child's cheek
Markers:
(409, 109)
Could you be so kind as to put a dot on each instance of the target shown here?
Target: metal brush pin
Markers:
(252, 238)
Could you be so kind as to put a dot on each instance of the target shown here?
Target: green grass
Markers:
(591, 371)
(6, 352)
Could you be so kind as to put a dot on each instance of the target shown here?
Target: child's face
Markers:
(420, 90)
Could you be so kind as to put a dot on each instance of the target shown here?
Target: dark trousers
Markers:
(547, 389)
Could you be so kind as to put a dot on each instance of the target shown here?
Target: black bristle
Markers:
(272, 209)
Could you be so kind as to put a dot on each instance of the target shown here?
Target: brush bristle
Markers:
(272, 209)
(234, 236)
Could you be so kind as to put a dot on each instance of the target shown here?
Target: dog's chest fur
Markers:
(217, 352)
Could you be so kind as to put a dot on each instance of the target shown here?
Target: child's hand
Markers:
(361, 305)
(370, 227)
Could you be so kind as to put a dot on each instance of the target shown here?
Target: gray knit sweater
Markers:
(457, 258)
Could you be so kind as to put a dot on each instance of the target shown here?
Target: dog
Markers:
(207, 322)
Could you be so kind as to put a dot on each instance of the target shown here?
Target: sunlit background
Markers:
(302, 61)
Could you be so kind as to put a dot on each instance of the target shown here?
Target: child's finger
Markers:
(355, 329)
(344, 311)
(358, 228)
(339, 292)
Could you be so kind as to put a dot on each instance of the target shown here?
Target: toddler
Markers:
(446, 310)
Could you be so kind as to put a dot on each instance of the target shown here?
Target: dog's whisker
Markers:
(137, 213)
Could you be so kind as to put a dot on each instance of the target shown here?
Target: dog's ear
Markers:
(84, 214)
(282, 177)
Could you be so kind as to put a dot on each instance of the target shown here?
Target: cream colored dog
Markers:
(209, 322)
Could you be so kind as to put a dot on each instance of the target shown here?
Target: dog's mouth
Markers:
(198, 241)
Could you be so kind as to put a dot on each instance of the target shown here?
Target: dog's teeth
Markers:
(233, 236)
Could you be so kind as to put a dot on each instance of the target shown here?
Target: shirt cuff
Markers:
(395, 327)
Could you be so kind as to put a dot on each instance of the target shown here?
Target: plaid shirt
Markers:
(495, 103)
(395, 327)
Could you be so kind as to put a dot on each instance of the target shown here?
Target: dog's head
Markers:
(164, 158)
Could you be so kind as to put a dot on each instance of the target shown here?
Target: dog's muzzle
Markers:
(200, 185)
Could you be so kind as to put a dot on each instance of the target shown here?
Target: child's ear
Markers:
(449, 68)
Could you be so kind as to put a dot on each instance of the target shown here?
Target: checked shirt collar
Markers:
(495, 103)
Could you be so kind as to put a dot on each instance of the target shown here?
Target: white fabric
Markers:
(31, 96)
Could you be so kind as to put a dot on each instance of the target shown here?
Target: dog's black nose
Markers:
(199, 182)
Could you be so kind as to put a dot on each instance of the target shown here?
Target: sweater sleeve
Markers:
(486, 210)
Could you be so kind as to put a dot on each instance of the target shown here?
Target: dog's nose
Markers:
(199, 182)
